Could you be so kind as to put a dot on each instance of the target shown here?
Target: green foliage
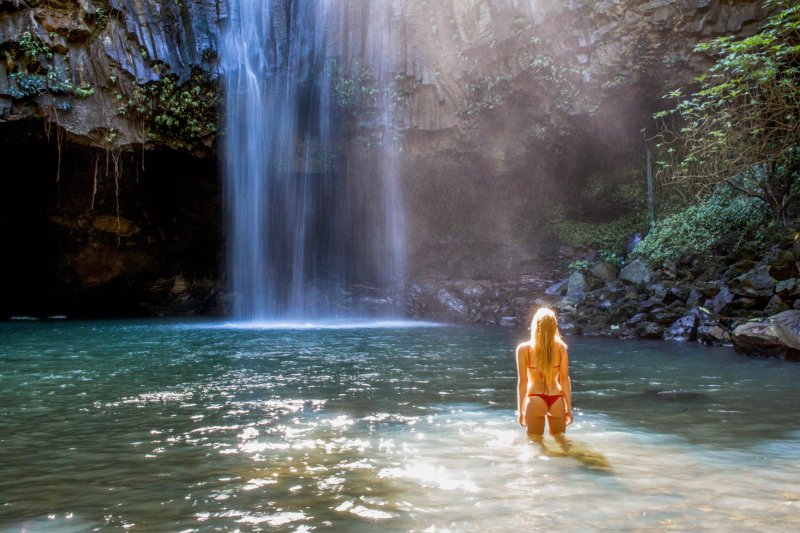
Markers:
(26, 85)
(741, 125)
(488, 90)
(611, 257)
(34, 74)
(607, 237)
(353, 85)
(56, 82)
(183, 109)
(578, 265)
(32, 48)
(485, 91)
(699, 227)
(100, 19)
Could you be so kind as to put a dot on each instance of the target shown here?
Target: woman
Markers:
(543, 385)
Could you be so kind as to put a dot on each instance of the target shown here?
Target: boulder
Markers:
(557, 289)
(776, 336)
(713, 334)
(721, 301)
(637, 272)
(694, 298)
(605, 271)
(755, 283)
(635, 319)
(683, 329)
(787, 287)
(649, 330)
(775, 305)
(579, 284)
(451, 302)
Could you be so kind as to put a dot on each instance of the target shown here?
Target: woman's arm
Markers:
(566, 384)
(522, 384)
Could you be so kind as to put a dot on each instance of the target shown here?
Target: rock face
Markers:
(777, 336)
(503, 106)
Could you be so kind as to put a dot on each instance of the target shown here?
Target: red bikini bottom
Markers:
(548, 399)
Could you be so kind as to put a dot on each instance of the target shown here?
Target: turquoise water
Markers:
(189, 426)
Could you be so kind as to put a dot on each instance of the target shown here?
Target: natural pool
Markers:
(188, 426)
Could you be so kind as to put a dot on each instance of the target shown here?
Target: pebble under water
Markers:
(193, 426)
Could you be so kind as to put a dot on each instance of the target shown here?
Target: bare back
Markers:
(536, 384)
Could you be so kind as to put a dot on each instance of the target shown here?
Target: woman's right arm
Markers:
(522, 385)
(566, 384)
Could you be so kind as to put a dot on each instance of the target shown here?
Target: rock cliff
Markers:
(108, 111)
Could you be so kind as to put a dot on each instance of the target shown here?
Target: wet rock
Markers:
(451, 302)
(721, 302)
(635, 319)
(667, 315)
(739, 268)
(649, 330)
(694, 298)
(755, 283)
(787, 287)
(508, 321)
(636, 272)
(577, 286)
(710, 289)
(678, 294)
(669, 269)
(683, 329)
(775, 305)
(605, 271)
(471, 289)
(713, 334)
(558, 289)
(776, 336)
(784, 265)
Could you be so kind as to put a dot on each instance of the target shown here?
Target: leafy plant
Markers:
(352, 85)
(578, 265)
(31, 47)
(184, 109)
(607, 237)
(741, 126)
(699, 227)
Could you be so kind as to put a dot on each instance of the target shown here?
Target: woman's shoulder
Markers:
(561, 344)
(523, 347)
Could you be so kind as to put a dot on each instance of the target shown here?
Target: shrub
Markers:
(699, 227)
(185, 109)
(607, 237)
(741, 125)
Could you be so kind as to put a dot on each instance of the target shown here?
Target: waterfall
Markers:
(308, 213)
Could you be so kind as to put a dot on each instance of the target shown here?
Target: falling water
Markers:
(307, 215)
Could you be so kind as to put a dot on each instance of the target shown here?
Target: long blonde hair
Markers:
(544, 339)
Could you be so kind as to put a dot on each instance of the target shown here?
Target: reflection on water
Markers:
(175, 426)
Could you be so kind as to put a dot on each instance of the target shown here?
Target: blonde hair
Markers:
(544, 339)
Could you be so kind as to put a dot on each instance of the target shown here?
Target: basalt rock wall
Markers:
(503, 106)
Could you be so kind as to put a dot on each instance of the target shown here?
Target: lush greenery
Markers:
(699, 227)
(354, 85)
(741, 125)
(184, 109)
(608, 237)
(34, 74)
(603, 213)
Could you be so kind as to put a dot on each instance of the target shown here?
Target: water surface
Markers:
(189, 426)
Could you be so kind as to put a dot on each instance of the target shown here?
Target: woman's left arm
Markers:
(566, 384)
(522, 386)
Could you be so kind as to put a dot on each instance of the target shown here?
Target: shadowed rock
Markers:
(777, 336)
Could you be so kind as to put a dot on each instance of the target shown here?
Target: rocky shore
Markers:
(752, 304)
